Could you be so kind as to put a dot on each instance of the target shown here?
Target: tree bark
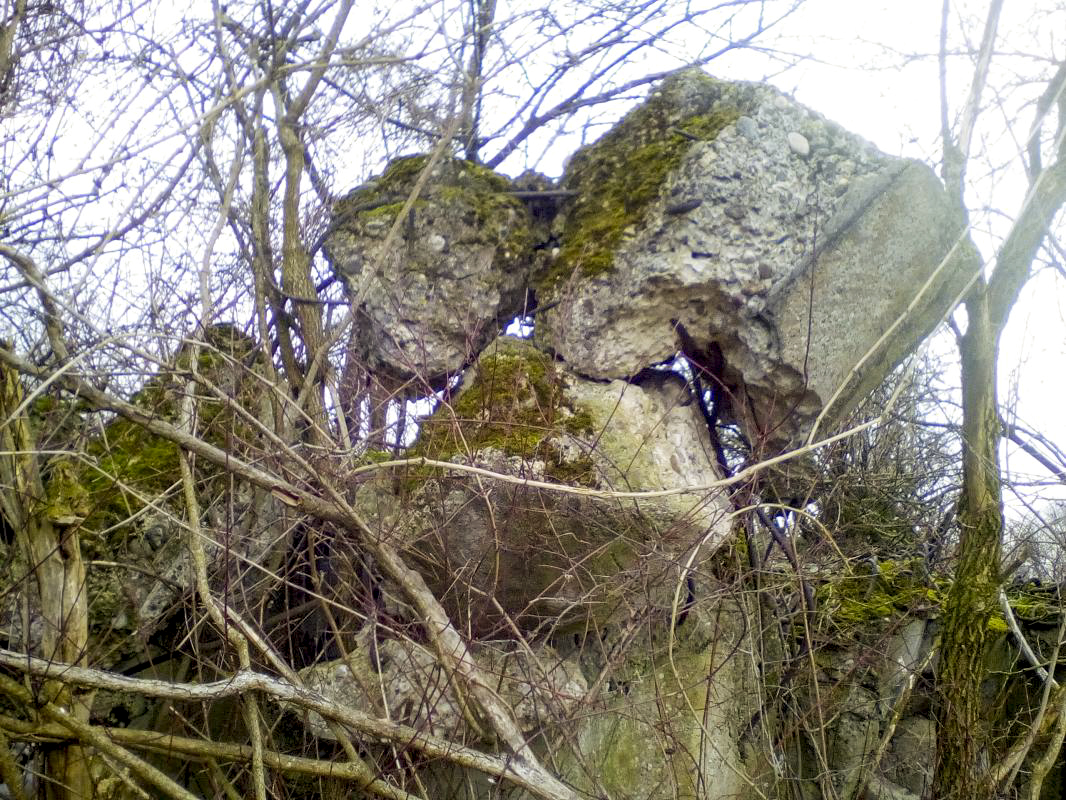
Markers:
(52, 554)
(962, 746)
(964, 729)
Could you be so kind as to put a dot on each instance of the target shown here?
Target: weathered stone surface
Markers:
(673, 727)
(772, 237)
(666, 725)
(909, 762)
(852, 738)
(455, 270)
(244, 531)
(550, 560)
(402, 681)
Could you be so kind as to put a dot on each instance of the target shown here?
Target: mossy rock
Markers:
(860, 600)
(514, 401)
(1035, 604)
(665, 727)
(550, 560)
(132, 467)
(124, 498)
(474, 193)
(456, 269)
(513, 416)
(622, 174)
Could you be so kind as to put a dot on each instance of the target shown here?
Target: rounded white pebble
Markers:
(799, 145)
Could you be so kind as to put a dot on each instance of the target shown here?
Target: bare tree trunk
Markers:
(962, 746)
(965, 729)
(296, 275)
(46, 534)
(295, 260)
(484, 12)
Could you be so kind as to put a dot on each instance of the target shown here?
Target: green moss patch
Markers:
(515, 402)
(623, 173)
(1035, 604)
(853, 601)
(465, 191)
(131, 465)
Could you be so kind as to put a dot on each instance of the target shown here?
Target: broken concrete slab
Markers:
(401, 680)
(454, 271)
(500, 554)
(773, 247)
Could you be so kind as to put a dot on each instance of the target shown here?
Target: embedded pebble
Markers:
(736, 212)
(747, 128)
(799, 145)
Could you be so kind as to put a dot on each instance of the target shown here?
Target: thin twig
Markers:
(1023, 643)
(248, 681)
(84, 732)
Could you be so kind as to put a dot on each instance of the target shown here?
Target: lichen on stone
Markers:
(128, 466)
(552, 561)
(467, 192)
(121, 498)
(455, 271)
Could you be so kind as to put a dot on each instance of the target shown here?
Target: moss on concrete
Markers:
(126, 469)
(555, 561)
(515, 402)
(466, 191)
(853, 601)
(1035, 603)
(623, 173)
(133, 466)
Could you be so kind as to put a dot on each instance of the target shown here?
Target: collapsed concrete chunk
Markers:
(498, 552)
(452, 274)
(662, 726)
(400, 680)
(728, 221)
